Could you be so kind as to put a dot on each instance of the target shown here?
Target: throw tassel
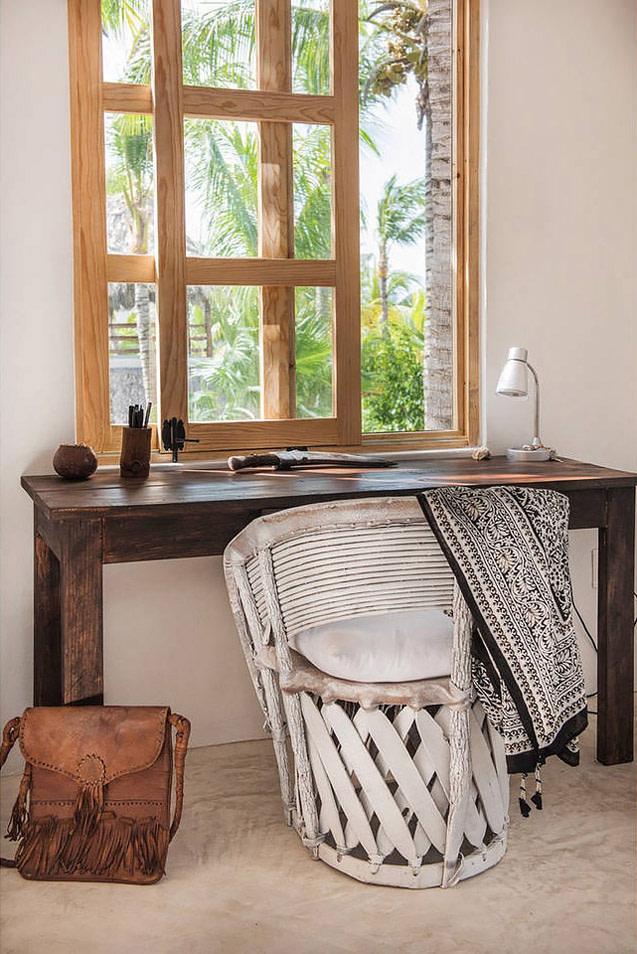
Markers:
(525, 808)
(537, 798)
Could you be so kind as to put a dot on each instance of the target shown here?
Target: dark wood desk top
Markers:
(197, 484)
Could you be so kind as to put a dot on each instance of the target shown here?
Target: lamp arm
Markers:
(536, 426)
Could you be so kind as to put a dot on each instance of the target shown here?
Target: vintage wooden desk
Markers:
(194, 509)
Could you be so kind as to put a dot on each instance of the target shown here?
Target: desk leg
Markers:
(81, 613)
(47, 653)
(615, 629)
(68, 651)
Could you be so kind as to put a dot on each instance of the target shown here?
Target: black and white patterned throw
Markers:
(508, 549)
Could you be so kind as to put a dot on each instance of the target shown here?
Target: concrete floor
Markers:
(239, 881)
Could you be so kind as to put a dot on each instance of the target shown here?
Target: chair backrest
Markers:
(342, 559)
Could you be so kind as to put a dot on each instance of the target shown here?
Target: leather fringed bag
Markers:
(94, 800)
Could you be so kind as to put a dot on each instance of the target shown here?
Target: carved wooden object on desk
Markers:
(135, 456)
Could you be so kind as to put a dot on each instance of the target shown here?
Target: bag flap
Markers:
(88, 743)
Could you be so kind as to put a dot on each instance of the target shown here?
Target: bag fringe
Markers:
(53, 846)
(19, 814)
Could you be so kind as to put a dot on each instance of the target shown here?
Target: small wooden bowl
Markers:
(75, 461)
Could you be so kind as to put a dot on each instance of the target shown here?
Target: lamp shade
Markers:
(513, 380)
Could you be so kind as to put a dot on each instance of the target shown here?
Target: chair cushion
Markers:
(387, 647)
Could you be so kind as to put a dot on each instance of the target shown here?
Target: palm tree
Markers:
(130, 175)
(221, 172)
(219, 46)
(417, 44)
(400, 220)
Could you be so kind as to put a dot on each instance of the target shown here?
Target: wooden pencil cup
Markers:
(134, 459)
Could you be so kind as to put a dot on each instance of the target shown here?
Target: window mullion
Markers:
(276, 212)
(170, 212)
(89, 214)
(346, 219)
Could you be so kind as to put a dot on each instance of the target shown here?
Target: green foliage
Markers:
(225, 386)
(399, 35)
(311, 48)
(129, 21)
(219, 45)
(396, 402)
(130, 172)
(124, 16)
(313, 309)
(221, 171)
(311, 163)
(392, 355)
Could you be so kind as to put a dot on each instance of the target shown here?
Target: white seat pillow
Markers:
(387, 647)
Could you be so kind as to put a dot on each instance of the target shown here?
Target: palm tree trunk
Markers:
(383, 271)
(144, 337)
(207, 317)
(438, 349)
(142, 308)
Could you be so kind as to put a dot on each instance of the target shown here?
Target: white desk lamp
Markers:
(514, 382)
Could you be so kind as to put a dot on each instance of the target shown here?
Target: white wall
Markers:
(561, 207)
(36, 306)
(561, 236)
(562, 221)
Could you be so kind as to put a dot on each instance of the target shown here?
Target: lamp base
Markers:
(516, 453)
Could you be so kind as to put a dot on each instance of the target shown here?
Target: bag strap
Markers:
(182, 727)
(9, 737)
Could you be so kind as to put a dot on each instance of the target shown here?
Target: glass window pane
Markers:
(314, 352)
(132, 348)
(130, 183)
(312, 171)
(218, 43)
(221, 187)
(407, 270)
(311, 47)
(126, 41)
(223, 353)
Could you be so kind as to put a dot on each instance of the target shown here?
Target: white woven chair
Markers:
(399, 784)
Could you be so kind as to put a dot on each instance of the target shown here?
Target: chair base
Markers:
(381, 791)
(400, 876)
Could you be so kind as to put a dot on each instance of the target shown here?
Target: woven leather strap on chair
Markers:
(107, 772)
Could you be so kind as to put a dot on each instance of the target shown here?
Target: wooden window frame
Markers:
(274, 107)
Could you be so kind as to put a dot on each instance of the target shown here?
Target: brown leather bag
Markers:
(98, 782)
